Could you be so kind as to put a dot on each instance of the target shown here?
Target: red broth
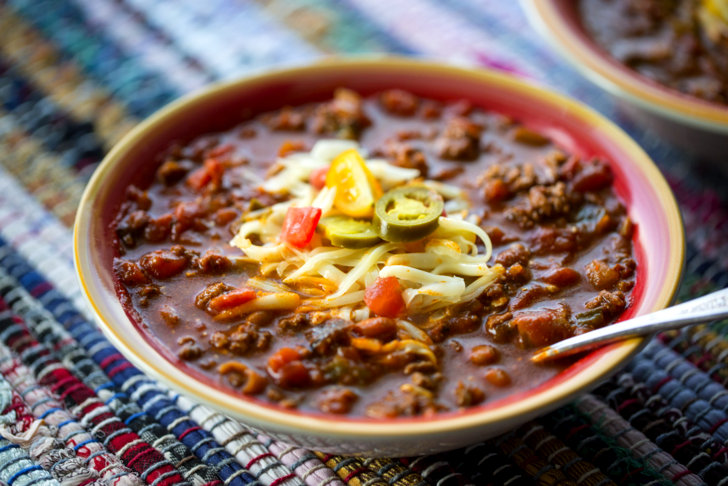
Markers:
(559, 233)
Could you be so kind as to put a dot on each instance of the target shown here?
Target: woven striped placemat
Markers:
(75, 75)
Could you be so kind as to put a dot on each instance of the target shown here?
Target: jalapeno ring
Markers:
(348, 232)
(407, 213)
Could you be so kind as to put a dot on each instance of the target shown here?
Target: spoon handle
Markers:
(703, 309)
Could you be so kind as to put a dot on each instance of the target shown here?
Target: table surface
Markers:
(75, 75)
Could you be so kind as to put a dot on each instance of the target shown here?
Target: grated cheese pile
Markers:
(445, 268)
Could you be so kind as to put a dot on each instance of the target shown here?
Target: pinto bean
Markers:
(484, 354)
(561, 277)
(260, 318)
(224, 216)
(382, 328)
(529, 137)
(497, 377)
(163, 264)
(516, 253)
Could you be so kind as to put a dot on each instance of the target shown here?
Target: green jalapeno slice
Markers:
(348, 232)
(407, 213)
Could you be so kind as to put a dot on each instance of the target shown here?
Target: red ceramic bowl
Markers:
(695, 124)
(659, 241)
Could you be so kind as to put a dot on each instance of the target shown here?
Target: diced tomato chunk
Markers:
(496, 191)
(287, 369)
(594, 175)
(299, 226)
(185, 215)
(210, 172)
(318, 177)
(587, 175)
(231, 299)
(542, 327)
(198, 178)
(384, 297)
(283, 356)
(294, 375)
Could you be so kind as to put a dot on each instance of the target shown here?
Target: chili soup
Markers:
(377, 256)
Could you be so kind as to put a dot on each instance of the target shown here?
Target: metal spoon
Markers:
(703, 309)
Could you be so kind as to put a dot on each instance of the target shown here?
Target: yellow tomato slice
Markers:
(356, 188)
(713, 15)
(719, 8)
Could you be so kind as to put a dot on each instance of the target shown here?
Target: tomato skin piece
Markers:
(231, 299)
(317, 179)
(384, 297)
(299, 226)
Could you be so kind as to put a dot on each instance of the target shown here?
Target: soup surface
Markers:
(682, 44)
(383, 256)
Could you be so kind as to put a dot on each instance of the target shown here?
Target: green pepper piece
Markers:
(592, 318)
(348, 232)
(407, 213)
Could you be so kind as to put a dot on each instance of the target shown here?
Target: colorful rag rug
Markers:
(75, 75)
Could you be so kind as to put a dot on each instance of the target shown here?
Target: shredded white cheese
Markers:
(450, 269)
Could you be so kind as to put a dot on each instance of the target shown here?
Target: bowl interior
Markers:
(659, 241)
